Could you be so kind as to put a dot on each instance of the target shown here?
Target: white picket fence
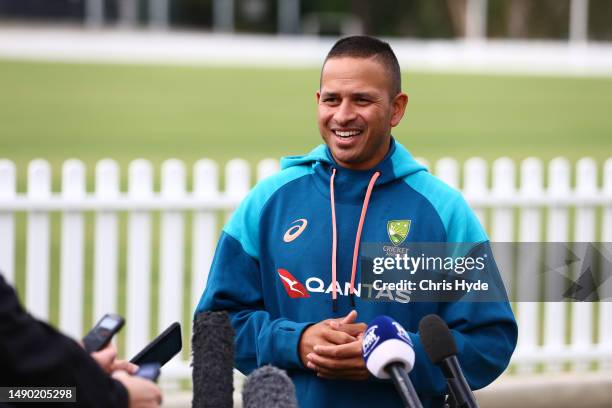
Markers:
(526, 211)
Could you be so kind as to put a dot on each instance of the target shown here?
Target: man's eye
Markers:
(330, 100)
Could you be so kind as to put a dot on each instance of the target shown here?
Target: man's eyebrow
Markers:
(365, 95)
(328, 93)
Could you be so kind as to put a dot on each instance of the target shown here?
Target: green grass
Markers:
(59, 111)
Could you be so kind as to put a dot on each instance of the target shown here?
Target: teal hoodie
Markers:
(272, 271)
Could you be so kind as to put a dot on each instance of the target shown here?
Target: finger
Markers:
(104, 357)
(354, 329)
(348, 350)
(337, 337)
(350, 317)
(119, 374)
(355, 363)
(125, 366)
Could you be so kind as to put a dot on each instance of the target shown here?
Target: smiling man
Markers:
(287, 264)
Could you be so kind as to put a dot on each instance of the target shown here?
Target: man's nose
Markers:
(345, 113)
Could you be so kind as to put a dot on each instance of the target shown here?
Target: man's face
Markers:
(356, 111)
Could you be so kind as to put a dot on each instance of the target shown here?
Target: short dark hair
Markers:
(363, 46)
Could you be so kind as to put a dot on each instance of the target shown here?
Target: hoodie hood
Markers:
(343, 186)
(397, 164)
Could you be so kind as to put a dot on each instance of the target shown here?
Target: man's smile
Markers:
(346, 133)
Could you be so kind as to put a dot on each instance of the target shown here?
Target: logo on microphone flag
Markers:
(293, 287)
(370, 340)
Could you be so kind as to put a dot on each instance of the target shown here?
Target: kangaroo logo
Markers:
(293, 287)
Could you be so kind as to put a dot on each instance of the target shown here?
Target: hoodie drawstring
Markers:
(334, 241)
(364, 210)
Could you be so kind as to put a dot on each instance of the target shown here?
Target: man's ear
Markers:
(318, 96)
(399, 107)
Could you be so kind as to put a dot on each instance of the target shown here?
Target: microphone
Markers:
(440, 346)
(212, 346)
(268, 387)
(388, 352)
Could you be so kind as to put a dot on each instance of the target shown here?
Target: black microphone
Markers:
(268, 387)
(440, 346)
(389, 353)
(212, 346)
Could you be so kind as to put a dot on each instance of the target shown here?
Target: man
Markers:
(33, 354)
(306, 224)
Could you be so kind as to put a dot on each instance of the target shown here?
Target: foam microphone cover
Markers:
(268, 387)
(437, 339)
(212, 345)
(385, 342)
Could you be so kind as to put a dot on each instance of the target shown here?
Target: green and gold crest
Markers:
(398, 230)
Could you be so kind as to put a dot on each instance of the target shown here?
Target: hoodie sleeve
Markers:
(485, 332)
(234, 285)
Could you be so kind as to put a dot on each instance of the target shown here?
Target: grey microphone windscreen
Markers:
(268, 387)
(437, 339)
(212, 346)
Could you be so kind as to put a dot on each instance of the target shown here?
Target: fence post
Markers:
(475, 184)
(37, 247)
(582, 318)
(140, 187)
(7, 221)
(529, 260)
(447, 170)
(205, 185)
(557, 230)
(171, 259)
(267, 168)
(605, 314)
(237, 180)
(106, 244)
(72, 251)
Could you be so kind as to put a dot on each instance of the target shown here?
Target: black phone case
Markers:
(165, 346)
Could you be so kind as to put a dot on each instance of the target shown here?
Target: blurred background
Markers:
(236, 78)
(226, 79)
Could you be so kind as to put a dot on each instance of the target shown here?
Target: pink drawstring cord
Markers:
(364, 210)
(334, 241)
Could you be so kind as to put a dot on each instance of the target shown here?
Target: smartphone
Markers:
(103, 332)
(150, 371)
(163, 348)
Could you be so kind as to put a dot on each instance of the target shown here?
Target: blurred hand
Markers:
(106, 358)
(142, 392)
(332, 348)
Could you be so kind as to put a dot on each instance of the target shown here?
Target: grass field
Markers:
(58, 111)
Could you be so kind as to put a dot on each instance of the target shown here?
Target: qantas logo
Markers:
(296, 290)
(295, 231)
(293, 287)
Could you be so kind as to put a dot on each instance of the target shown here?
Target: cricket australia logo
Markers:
(398, 230)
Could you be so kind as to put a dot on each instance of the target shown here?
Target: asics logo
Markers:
(295, 231)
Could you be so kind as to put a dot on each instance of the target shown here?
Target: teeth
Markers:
(347, 133)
